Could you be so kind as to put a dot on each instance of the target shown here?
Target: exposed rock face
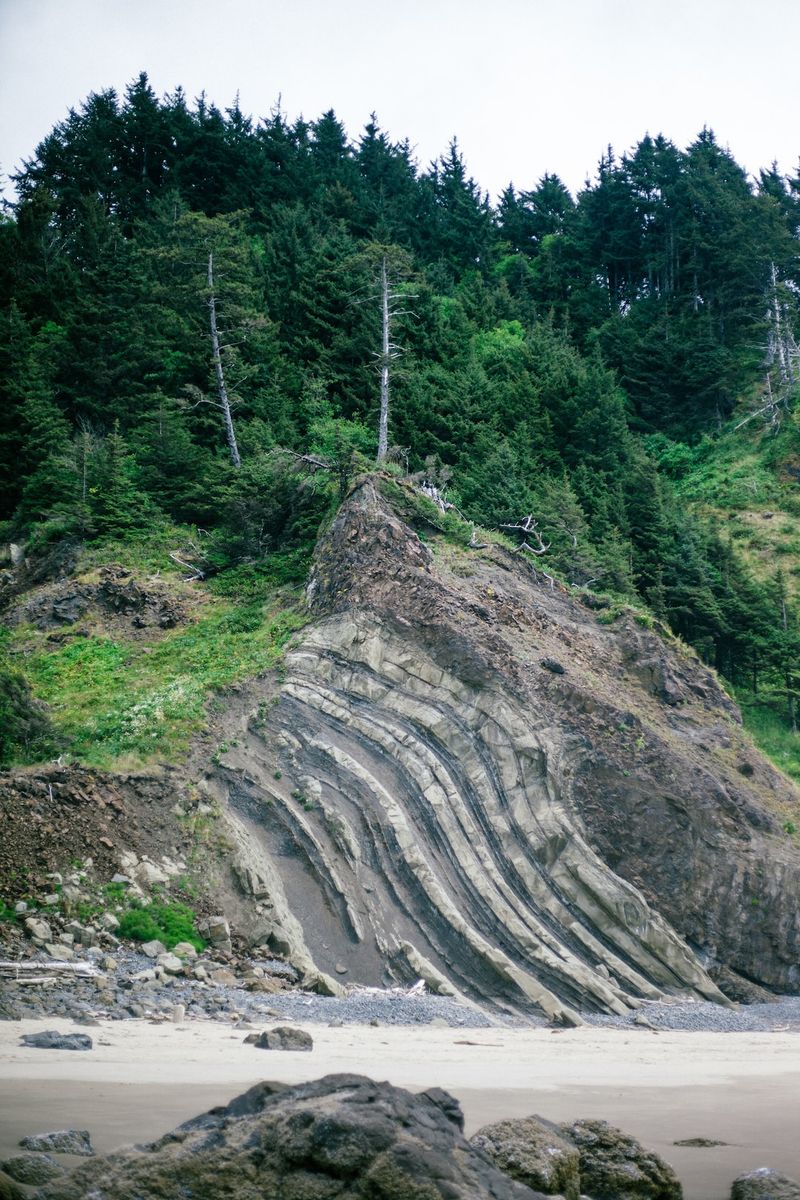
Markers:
(532, 1151)
(425, 798)
(117, 594)
(614, 1166)
(342, 1136)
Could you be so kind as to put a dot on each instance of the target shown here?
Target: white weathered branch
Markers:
(224, 402)
(528, 527)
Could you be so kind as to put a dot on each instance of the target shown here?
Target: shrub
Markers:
(168, 923)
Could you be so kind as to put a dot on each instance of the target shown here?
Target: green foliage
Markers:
(167, 923)
(26, 733)
(113, 698)
(769, 730)
(574, 360)
(273, 510)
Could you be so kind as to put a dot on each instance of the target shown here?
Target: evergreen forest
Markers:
(204, 317)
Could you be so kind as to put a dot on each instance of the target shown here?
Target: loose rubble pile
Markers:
(55, 964)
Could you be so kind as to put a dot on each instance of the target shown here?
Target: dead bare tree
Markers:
(529, 527)
(222, 402)
(391, 299)
(783, 363)
(771, 410)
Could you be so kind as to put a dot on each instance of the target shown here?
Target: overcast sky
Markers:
(527, 86)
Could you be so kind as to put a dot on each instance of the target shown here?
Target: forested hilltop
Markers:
(202, 313)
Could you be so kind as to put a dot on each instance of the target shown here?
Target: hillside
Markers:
(459, 772)
(744, 485)
(395, 562)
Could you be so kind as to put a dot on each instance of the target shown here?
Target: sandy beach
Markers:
(141, 1079)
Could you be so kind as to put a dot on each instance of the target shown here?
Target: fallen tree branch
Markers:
(35, 972)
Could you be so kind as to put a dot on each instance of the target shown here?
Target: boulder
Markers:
(153, 949)
(283, 1037)
(32, 1169)
(61, 1141)
(170, 963)
(764, 1184)
(84, 935)
(38, 929)
(532, 1151)
(148, 875)
(59, 950)
(51, 1039)
(224, 977)
(185, 950)
(342, 1136)
(217, 931)
(614, 1166)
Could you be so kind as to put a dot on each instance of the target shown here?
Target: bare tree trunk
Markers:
(780, 348)
(788, 679)
(383, 423)
(224, 403)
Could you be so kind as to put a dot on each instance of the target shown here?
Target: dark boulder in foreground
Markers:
(51, 1039)
(342, 1136)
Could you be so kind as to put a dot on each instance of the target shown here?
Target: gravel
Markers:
(702, 1016)
(124, 999)
(80, 1001)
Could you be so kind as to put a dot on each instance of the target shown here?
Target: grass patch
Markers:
(112, 697)
(167, 923)
(771, 733)
(146, 554)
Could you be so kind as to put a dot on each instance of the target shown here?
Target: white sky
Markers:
(527, 86)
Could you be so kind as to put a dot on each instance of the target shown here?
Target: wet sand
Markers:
(142, 1079)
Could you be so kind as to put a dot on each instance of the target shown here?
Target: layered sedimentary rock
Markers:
(465, 777)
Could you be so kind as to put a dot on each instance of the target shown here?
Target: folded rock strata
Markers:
(425, 798)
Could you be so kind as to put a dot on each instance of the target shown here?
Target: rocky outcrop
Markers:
(61, 1141)
(533, 1151)
(614, 1166)
(32, 1169)
(114, 593)
(765, 1184)
(341, 1136)
(423, 798)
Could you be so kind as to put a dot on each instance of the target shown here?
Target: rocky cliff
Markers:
(464, 776)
